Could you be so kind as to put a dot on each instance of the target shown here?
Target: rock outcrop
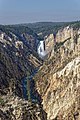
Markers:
(49, 42)
(15, 108)
(59, 78)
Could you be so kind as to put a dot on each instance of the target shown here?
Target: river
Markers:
(28, 86)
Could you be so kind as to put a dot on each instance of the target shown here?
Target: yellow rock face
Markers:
(58, 81)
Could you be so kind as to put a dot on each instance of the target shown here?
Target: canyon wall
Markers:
(18, 60)
(58, 80)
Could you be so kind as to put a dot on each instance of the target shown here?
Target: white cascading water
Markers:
(41, 49)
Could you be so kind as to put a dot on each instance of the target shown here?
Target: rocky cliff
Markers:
(15, 108)
(58, 80)
(18, 60)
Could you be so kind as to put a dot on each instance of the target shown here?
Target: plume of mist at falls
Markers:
(41, 49)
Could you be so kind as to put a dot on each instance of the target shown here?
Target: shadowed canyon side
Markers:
(18, 60)
(17, 56)
(58, 80)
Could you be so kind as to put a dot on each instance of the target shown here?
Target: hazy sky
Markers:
(26, 11)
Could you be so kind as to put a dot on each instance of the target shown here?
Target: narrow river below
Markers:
(28, 86)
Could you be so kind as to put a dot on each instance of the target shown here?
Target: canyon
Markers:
(54, 89)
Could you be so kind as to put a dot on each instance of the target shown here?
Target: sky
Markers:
(28, 11)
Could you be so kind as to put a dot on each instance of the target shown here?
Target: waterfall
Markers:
(41, 49)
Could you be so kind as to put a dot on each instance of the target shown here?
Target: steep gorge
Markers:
(57, 81)
(59, 77)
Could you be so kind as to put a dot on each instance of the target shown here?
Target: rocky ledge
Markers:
(15, 108)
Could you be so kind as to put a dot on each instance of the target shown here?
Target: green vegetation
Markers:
(76, 24)
(28, 90)
(2, 101)
(47, 27)
(17, 29)
(39, 27)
